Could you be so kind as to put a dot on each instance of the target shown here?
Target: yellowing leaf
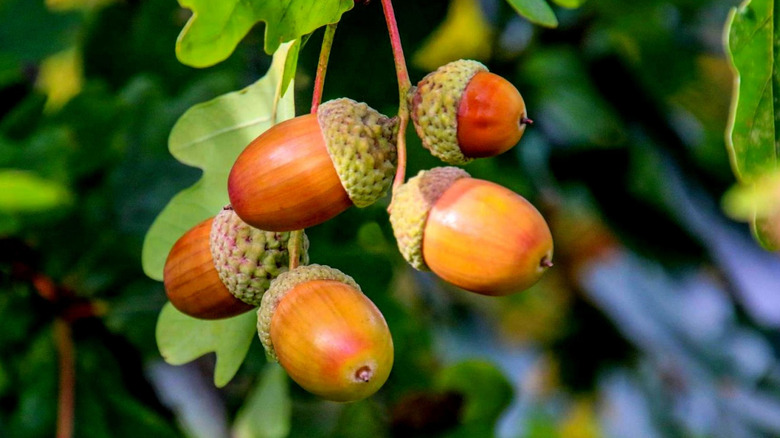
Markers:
(760, 198)
(464, 33)
(758, 202)
(60, 78)
(581, 421)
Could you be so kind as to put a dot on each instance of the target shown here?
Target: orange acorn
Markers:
(329, 337)
(461, 111)
(222, 266)
(472, 233)
(306, 170)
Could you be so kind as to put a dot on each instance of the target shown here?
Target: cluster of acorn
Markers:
(314, 319)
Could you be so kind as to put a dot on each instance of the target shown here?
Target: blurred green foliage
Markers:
(660, 317)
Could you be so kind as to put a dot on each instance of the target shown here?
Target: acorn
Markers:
(329, 337)
(473, 233)
(461, 111)
(306, 170)
(222, 266)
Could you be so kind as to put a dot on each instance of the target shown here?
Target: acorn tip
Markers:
(363, 374)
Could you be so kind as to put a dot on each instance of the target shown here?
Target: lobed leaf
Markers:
(210, 136)
(216, 27)
(182, 338)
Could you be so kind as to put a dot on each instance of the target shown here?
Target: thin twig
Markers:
(67, 384)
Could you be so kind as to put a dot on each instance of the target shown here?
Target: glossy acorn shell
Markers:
(484, 238)
(490, 116)
(285, 180)
(192, 282)
(332, 340)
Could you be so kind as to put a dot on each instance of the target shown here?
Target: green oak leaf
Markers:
(752, 136)
(210, 136)
(216, 27)
(267, 412)
(291, 63)
(536, 11)
(571, 4)
(487, 392)
(182, 338)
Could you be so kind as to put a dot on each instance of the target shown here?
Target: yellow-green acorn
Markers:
(461, 111)
(308, 169)
(329, 337)
(472, 233)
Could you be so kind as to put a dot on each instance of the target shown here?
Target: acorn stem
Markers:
(322, 66)
(294, 248)
(404, 85)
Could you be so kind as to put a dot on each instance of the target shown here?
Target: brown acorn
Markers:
(329, 337)
(306, 170)
(222, 266)
(461, 111)
(472, 233)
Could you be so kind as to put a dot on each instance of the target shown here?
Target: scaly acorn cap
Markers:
(362, 144)
(285, 283)
(411, 203)
(435, 105)
(246, 258)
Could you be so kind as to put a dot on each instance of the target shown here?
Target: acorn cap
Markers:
(246, 258)
(435, 105)
(361, 143)
(411, 203)
(285, 283)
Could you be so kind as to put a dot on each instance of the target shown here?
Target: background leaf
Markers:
(569, 3)
(268, 409)
(22, 191)
(182, 338)
(753, 137)
(487, 392)
(210, 136)
(464, 33)
(536, 11)
(215, 28)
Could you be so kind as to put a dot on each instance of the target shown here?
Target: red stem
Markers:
(322, 66)
(404, 86)
(65, 350)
